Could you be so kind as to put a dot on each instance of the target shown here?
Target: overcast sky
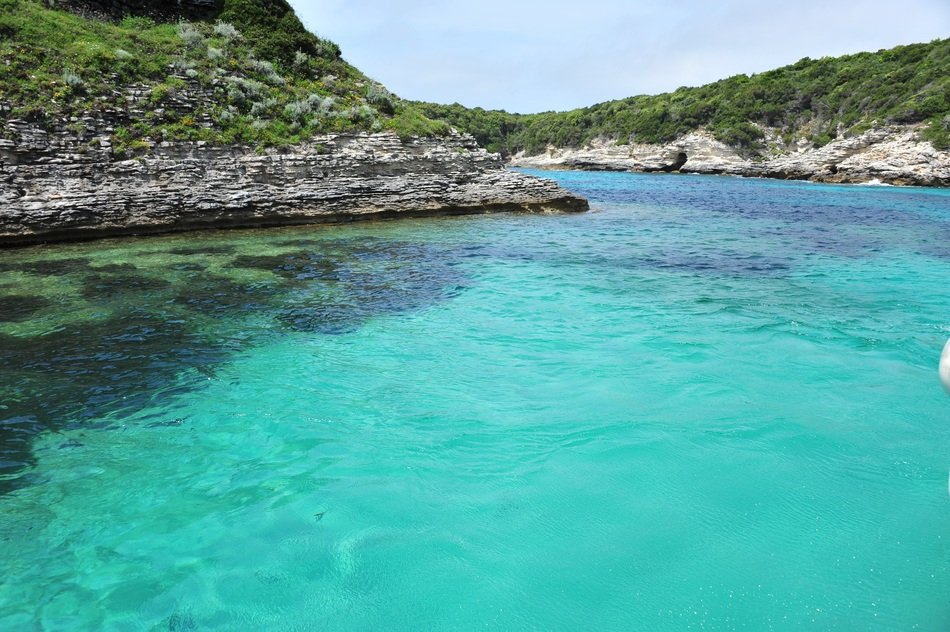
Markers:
(537, 55)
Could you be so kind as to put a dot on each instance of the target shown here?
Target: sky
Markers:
(539, 55)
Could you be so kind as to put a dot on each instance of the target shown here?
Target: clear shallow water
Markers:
(711, 403)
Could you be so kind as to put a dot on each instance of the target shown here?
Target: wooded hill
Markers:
(816, 99)
(247, 71)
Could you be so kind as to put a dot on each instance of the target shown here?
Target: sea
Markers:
(710, 403)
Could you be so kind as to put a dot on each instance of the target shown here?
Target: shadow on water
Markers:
(56, 267)
(175, 310)
(62, 379)
(335, 289)
(16, 308)
(98, 285)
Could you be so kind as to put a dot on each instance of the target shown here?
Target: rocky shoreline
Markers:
(886, 155)
(55, 187)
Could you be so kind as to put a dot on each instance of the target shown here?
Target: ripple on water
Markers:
(709, 404)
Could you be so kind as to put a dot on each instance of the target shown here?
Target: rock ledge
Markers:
(53, 187)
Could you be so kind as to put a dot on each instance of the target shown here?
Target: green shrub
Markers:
(72, 79)
(259, 108)
(327, 50)
(273, 30)
(301, 58)
(190, 35)
(159, 93)
(380, 98)
(409, 121)
(938, 133)
(226, 30)
(297, 110)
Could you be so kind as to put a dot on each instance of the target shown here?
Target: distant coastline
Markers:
(881, 115)
(893, 155)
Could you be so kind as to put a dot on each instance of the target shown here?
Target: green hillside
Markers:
(814, 98)
(260, 76)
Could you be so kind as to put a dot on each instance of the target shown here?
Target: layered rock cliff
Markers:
(55, 187)
(890, 155)
(136, 126)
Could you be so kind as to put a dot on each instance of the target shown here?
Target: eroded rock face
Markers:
(57, 186)
(695, 151)
(892, 155)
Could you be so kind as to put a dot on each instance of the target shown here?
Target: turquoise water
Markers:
(710, 403)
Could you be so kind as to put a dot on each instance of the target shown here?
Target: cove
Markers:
(709, 402)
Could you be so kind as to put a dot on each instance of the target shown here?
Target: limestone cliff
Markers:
(55, 187)
(239, 118)
(891, 155)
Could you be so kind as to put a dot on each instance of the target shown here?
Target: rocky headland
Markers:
(121, 117)
(66, 186)
(887, 155)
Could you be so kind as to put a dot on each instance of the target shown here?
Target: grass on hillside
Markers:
(814, 99)
(277, 85)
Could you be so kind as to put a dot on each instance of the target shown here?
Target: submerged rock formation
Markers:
(62, 186)
(891, 155)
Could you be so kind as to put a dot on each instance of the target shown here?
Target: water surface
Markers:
(710, 403)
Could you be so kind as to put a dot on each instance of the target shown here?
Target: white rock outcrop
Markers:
(53, 187)
(893, 155)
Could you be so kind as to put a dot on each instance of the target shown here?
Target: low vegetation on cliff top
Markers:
(815, 99)
(253, 74)
(248, 71)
